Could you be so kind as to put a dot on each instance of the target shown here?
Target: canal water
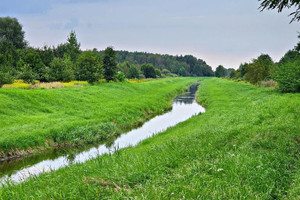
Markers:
(18, 170)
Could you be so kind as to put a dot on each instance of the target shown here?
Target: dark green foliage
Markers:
(232, 74)
(46, 54)
(31, 58)
(5, 75)
(27, 74)
(8, 53)
(60, 50)
(192, 65)
(133, 72)
(148, 70)
(11, 30)
(290, 56)
(61, 70)
(182, 72)
(167, 73)
(220, 71)
(109, 63)
(73, 47)
(262, 68)
(288, 76)
(88, 67)
(279, 5)
(158, 73)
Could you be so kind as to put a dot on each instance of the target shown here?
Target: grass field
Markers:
(40, 117)
(246, 146)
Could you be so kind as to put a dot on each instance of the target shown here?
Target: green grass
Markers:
(246, 146)
(39, 117)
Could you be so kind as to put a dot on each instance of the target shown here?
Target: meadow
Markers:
(246, 146)
(38, 119)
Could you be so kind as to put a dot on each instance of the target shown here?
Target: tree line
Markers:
(164, 65)
(66, 61)
(285, 73)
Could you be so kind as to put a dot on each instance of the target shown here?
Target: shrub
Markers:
(260, 69)
(288, 77)
(5, 78)
(120, 76)
(133, 72)
(27, 74)
(148, 70)
(61, 70)
(89, 67)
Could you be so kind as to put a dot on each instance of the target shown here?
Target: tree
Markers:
(157, 73)
(31, 58)
(260, 69)
(288, 76)
(46, 54)
(109, 63)
(232, 74)
(133, 72)
(88, 67)
(11, 30)
(73, 46)
(148, 70)
(280, 5)
(61, 70)
(27, 74)
(220, 71)
(5, 75)
(182, 72)
(8, 53)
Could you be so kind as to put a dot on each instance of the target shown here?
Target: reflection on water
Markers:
(184, 107)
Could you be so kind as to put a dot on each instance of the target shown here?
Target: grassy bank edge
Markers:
(50, 145)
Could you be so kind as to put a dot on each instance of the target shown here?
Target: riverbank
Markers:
(33, 121)
(246, 146)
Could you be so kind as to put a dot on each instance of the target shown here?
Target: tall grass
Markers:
(246, 146)
(30, 118)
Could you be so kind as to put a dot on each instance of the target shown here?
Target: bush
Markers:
(288, 77)
(148, 70)
(5, 78)
(133, 72)
(61, 70)
(120, 76)
(89, 67)
(27, 74)
(260, 69)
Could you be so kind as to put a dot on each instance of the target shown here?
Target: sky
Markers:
(220, 32)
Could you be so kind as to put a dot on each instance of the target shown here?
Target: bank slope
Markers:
(246, 146)
(39, 117)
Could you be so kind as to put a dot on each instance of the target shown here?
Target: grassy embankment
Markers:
(46, 118)
(246, 146)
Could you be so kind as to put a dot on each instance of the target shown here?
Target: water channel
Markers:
(18, 170)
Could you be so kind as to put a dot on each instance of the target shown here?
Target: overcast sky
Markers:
(218, 31)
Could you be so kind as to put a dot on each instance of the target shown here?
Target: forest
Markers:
(67, 62)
